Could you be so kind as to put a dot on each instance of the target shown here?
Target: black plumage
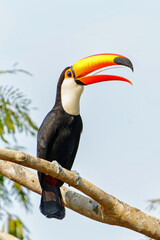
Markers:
(58, 139)
(59, 134)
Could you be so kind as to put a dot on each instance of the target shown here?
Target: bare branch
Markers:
(72, 200)
(109, 210)
(6, 236)
(64, 175)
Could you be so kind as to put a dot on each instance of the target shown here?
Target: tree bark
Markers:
(102, 207)
(6, 236)
(72, 200)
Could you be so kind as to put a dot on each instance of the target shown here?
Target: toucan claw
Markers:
(58, 166)
(78, 177)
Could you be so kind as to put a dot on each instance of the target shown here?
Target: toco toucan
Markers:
(59, 134)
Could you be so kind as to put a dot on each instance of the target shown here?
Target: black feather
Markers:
(58, 139)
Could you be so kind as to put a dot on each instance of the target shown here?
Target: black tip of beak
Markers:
(124, 61)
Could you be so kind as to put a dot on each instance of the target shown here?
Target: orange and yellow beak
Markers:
(90, 64)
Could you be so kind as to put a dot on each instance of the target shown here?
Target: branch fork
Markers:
(99, 205)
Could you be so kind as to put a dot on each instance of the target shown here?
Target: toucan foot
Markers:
(78, 177)
(58, 166)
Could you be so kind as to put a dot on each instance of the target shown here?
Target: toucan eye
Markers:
(69, 74)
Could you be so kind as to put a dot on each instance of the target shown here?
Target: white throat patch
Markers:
(70, 96)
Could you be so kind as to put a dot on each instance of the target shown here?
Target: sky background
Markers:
(119, 147)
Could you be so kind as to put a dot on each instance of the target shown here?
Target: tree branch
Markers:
(105, 208)
(6, 236)
(72, 200)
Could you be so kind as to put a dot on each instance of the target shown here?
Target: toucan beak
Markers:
(90, 64)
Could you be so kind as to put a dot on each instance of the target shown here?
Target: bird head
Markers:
(81, 74)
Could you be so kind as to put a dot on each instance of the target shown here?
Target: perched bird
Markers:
(59, 134)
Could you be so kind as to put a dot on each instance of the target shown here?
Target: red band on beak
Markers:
(101, 78)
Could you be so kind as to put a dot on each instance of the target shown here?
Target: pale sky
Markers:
(119, 147)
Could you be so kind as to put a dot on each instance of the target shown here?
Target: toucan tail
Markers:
(52, 205)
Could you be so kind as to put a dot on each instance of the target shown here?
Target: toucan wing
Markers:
(46, 134)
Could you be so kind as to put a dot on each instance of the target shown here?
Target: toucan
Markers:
(59, 134)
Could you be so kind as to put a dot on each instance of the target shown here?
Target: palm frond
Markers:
(14, 113)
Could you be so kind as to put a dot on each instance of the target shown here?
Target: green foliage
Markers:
(21, 195)
(153, 204)
(4, 194)
(14, 109)
(10, 191)
(14, 117)
(16, 227)
(15, 70)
